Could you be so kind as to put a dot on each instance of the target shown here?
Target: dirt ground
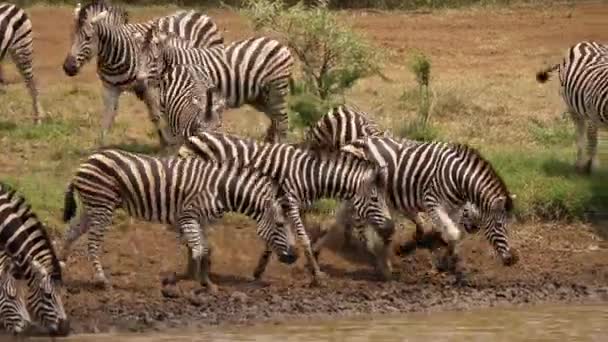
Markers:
(571, 266)
(558, 261)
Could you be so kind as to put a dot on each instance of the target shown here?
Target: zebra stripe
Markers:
(104, 29)
(344, 124)
(584, 89)
(25, 240)
(189, 101)
(13, 312)
(16, 39)
(183, 192)
(439, 178)
(304, 177)
(253, 71)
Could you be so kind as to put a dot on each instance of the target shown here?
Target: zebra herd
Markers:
(180, 66)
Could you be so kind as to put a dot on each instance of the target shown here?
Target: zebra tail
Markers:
(69, 204)
(543, 75)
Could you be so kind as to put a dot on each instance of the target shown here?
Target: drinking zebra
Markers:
(254, 71)
(13, 312)
(25, 240)
(103, 30)
(304, 177)
(16, 39)
(183, 192)
(584, 89)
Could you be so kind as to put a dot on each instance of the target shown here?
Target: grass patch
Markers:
(560, 132)
(547, 186)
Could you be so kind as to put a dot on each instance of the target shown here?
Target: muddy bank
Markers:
(558, 263)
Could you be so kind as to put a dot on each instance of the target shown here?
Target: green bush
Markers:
(332, 56)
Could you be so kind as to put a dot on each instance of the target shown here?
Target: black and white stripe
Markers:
(13, 312)
(254, 71)
(190, 101)
(185, 193)
(438, 179)
(583, 77)
(16, 39)
(25, 240)
(103, 30)
(304, 177)
(344, 124)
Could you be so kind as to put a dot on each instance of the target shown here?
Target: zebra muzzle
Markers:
(70, 66)
(289, 256)
(509, 258)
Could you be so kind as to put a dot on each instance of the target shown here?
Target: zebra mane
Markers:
(118, 14)
(473, 154)
(55, 273)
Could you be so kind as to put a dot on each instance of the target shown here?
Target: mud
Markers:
(558, 263)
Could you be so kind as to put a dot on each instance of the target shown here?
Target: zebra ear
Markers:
(38, 269)
(99, 17)
(361, 148)
(138, 37)
(77, 10)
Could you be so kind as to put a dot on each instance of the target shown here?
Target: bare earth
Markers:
(558, 262)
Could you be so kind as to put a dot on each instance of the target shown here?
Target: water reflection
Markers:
(540, 323)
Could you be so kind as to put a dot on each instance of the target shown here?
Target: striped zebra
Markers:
(438, 178)
(16, 39)
(189, 101)
(13, 312)
(304, 177)
(344, 124)
(24, 239)
(584, 89)
(103, 30)
(254, 71)
(184, 193)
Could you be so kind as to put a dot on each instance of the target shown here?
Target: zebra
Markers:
(438, 178)
(181, 192)
(255, 71)
(190, 101)
(24, 238)
(103, 30)
(584, 89)
(13, 312)
(304, 177)
(16, 39)
(344, 124)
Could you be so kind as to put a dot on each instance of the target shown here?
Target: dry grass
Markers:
(483, 66)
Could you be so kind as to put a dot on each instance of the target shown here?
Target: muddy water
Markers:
(550, 323)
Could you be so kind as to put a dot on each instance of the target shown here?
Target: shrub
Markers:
(332, 56)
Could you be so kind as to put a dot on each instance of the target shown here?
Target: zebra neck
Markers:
(115, 49)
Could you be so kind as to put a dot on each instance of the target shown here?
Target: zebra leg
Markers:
(110, 104)
(579, 122)
(274, 105)
(262, 263)
(293, 212)
(451, 234)
(98, 222)
(164, 134)
(23, 60)
(593, 161)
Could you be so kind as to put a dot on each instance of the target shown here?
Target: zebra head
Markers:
(207, 99)
(44, 300)
(85, 33)
(370, 203)
(148, 57)
(13, 311)
(279, 236)
(494, 220)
